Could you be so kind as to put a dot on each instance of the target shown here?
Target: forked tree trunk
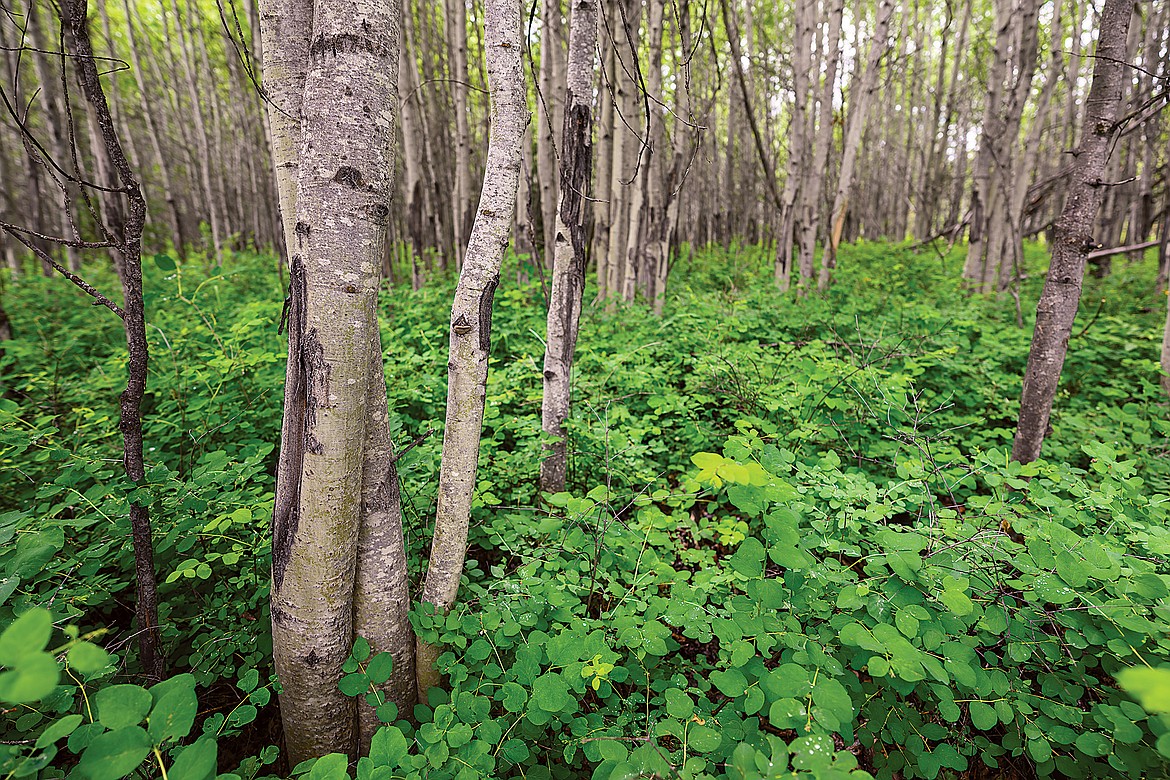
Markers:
(568, 278)
(1074, 237)
(336, 524)
(471, 319)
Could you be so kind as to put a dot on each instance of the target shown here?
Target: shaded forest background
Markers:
(716, 123)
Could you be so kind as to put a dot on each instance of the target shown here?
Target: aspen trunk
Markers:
(995, 248)
(861, 98)
(175, 221)
(1062, 288)
(471, 319)
(814, 176)
(568, 280)
(547, 113)
(799, 140)
(335, 523)
(457, 53)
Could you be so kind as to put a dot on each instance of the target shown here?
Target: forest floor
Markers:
(789, 521)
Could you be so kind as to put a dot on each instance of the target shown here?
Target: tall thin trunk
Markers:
(547, 111)
(995, 248)
(1074, 238)
(471, 319)
(810, 195)
(202, 139)
(568, 280)
(457, 53)
(798, 139)
(127, 236)
(861, 97)
(175, 220)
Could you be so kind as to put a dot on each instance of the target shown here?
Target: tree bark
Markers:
(995, 249)
(814, 176)
(128, 258)
(568, 279)
(471, 319)
(1062, 287)
(456, 18)
(548, 112)
(336, 513)
(861, 95)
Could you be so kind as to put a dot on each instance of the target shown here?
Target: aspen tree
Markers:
(861, 96)
(568, 277)
(1062, 288)
(336, 529)
(995, 248)
(471, 318)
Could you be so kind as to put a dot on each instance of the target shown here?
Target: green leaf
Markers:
(28, 634)
(34, 677)
(361, 649)
(330, 767)
(354, 684)
(388, 746)
(87, 658)
(1039, 749)
(58, 729)
(551, 693)
(1092, 743)
(954, 596)
(114, 754)
(1151, 687)
(175, 707)
(749, 558)
(195, 762)
(703, 738)
(730, 683)
(164, 262)
(679, 704)
(249, 680)
(514, 697)
(983, 716)
(380, 668)
(119, 706)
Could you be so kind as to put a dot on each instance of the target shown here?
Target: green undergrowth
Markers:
(792, 543)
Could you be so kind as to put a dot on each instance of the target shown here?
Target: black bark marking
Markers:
(348, 176)
(348, 42)
(286, 512)
(485, 312)
(311, 660)
(378, 213)
(317, 373)
(461, 326)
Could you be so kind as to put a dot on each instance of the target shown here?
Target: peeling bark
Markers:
(568, 278)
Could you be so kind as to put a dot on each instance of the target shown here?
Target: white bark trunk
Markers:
(471, 318)
(862, 97)
(568, 282)
(335, 484)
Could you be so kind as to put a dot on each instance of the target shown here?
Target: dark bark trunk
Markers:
(1062, 288)
(128, 255)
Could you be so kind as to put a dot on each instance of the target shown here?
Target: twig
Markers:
(44, 257)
